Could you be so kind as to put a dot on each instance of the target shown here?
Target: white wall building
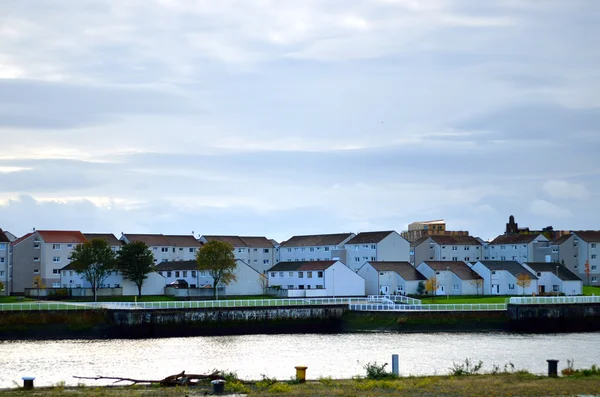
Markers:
(153, 285)
(500, 278)
(316, 278)
(258, 252)
(555, 278)
(390, 278)
(587, 244)
(446, 248)
(5, 252)
(453, 278)
(520, 248)
(323, 247)
(376, 247)
(167, 247)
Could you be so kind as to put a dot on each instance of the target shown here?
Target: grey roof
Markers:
(513, 267)
(515, 239)
(317, 239)
(563, 273)
(3, 237)
(589, 236)
(369, 237)
(110, 238)
(562, 239)
(243, 241)
(404, 269)
(419, 241)
(296, 266)
(460, 269)
(177, 265)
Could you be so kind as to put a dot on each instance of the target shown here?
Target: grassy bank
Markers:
(513, 384)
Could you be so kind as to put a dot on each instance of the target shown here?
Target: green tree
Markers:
(421, 288)
(216, 257)
(136, 261)
(93, 260)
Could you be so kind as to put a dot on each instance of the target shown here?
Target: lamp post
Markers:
(557, 281)
(333, 282)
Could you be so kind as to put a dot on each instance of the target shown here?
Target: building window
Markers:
(176, 273)
(56, 259)
(1, 272)
(300, 275)
(454, 248)
(36, 271)
(593, 256)
(1, 260)
(502, 258)
(356, 259)
(290, 286)
(2, 246)
(326, 248)
(280, 274)
(55, 271)
(55, 246)
(164, 249)
(312, 249)
(373, 258)
(502, 247)
(308, 274)
(594, 267)
(266, 250)
(593, 245)
(455, 287)
(594, 279)
(320, 274)
(69, 245)
(169, 273)
(184, 273)
(555, 288)
(36, 245)
(192, 249)
(318, 248)
(154, 248)
(301, 287)
(454, 258)
(466, 248)
(302, 249)
(539, 274)
(265, 261)
(256, 260)
(511, 286)
(289, 250)
(255, 249)
(56, 284)
(240, 250)
(193, 273)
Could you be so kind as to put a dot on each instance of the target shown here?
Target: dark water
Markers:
(337, 356)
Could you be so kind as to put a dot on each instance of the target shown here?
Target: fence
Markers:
(393, 299)
(390, 307)
(549, 300)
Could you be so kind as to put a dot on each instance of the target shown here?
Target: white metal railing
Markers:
(393, 299)
(435, 308)
(176, 304)
(544, 300)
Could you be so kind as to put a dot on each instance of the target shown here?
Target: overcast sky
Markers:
(277, 117)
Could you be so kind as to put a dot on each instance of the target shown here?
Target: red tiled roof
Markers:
(589, 236)
(183, 241)
(3, 237)
(17, 241)
(295, 266)
(317, 239)
(62, 236)
(151, 240)
(461, 269)
(455, 240)
(515, 239)
(110, 238)
(404, 269)
(369, 237)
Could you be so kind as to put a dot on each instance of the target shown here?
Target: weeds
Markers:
(466, 369)
(265, 382)
(237, 387)
(378, 372)
(280, 388)
(571, 371)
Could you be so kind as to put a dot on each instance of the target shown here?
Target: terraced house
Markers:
(533, 247)
(587, 243)
(43, 253)
(257, 251)
(5, 254)
(167, 247)
(376, 246)
(318, 247)
(446, 248)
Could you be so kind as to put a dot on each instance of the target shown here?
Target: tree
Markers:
(523, 281)
(263, 281)
(38, 284)
(421, 288)
(217, 258)
(135, 262)
(432, 286)
(1, 286)
(477, 283)
(587, 271)
(93, 260)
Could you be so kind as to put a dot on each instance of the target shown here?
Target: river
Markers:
(336, 356)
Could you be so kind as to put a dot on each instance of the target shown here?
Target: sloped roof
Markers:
(460, 269)
(317, 239)
(243, 241)
(562, 239)
(300, 266)
(109, 237)
(369, 237)
(456, 240)
(24, 237)
(563, 273)
(235, 241)
(513, 267)
(589, 236)
(3, 237)
(419, 241)
(176, 265)
(151, 240)
(404, 269)
(183, 240)
(62, 236)
(515, 239)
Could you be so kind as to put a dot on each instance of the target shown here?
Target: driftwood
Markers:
(181, 379)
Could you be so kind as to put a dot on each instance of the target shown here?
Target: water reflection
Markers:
(338, 356)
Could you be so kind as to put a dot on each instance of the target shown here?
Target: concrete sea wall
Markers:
(554, 318)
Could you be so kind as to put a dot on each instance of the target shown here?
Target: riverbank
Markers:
(499, 385)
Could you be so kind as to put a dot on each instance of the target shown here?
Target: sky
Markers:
(283, 117)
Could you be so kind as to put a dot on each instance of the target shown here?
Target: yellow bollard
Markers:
(301, 374)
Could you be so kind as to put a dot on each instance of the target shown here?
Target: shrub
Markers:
(237, 387)
(378, 372)
(265, 382)
(468, 368)
(280, 388)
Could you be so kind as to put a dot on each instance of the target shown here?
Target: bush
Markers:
(378, 372)
(571, 371)
(468, 368)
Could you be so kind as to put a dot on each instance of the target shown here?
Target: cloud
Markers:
(549, 210)
(563, 190)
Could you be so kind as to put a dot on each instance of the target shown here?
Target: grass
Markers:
(512, 384)
(464, 299)
(590, 290)
(14, 299)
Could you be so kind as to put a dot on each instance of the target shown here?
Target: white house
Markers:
(376, 247)
(322, 247)
(5, 239)
(533, 247)
(453, 278)
(153, 285)
(258, 252)
(390, 278)
(553, 277)
(446, 248)
(167, 247)
(316, 279)
(248, 280)
(500, 278)
(587, 244)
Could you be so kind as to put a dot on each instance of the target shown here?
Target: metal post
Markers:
(552, 368)
(447, 291)
(395, 365)
(333, 282)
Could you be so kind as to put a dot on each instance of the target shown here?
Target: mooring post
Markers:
(395, 365)
(552, 368)
(28, 382)
(301, 373)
